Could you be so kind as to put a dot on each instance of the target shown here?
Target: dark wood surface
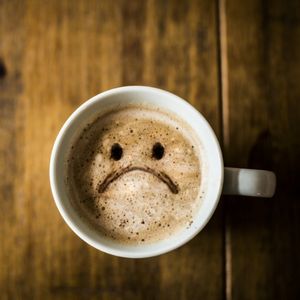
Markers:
(237, 62)
(262, 124)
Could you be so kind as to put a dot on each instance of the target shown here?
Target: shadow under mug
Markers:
(246, 182)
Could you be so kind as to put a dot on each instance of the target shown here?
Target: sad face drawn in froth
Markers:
(157, 153)
(136, 176)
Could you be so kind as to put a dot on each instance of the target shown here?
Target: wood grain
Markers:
(54, 56)
(262, 123)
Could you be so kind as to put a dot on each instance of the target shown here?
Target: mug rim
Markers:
(75, 227)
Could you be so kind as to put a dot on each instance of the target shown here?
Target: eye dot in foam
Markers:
(134, 174)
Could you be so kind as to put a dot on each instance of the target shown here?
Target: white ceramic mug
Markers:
(246, 182)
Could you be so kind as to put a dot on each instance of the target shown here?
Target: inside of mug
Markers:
(212, 177)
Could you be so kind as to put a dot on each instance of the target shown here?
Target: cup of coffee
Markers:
(137, 171)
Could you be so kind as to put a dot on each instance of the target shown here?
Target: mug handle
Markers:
(249, 182)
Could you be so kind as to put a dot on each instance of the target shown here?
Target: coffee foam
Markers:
(138, 206)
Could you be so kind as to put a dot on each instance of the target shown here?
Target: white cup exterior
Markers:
(213, 176)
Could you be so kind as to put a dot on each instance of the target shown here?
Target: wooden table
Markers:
(237, 62)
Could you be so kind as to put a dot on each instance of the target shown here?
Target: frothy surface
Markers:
(134, 194)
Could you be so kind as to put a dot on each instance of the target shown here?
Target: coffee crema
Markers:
(134, 175)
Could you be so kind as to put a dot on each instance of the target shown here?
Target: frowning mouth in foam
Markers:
(116, 174)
